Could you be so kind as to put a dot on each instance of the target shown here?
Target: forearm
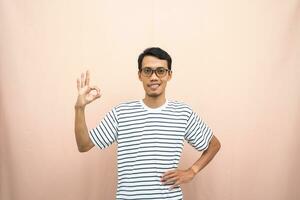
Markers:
(177, 177)
(81, 131)
(206, 156)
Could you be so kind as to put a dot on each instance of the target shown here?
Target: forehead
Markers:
(151, 61)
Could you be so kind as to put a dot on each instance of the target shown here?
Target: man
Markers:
(149, 133)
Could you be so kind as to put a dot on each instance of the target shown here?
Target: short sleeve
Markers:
(197, 133)
(106, 132)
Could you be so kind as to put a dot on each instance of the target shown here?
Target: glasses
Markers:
(159, 71)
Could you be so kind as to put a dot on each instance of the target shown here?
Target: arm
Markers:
(207, 155)
(177, 177)
(83, 140)
(85, 97)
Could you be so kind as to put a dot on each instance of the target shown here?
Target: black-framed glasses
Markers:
(159, 71)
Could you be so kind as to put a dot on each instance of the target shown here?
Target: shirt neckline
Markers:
(154, 109)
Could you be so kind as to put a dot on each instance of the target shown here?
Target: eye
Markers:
(161, 70)
(147, 70)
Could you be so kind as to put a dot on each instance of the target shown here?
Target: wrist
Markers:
(194, 169)
(79, 107)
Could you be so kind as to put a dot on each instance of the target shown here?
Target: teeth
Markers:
(154, 86)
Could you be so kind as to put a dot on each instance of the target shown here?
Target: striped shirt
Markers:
(150, 142)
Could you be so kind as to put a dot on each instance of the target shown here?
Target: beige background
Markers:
(236, 62)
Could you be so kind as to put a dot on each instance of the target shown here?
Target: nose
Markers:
(153, 76)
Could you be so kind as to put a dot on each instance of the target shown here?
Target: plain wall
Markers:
(235, 62)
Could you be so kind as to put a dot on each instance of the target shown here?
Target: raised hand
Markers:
(85, 91)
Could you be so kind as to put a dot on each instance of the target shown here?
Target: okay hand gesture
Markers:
(85, 91)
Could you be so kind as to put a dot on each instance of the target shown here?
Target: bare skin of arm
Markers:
(176, 177)
(85, 96)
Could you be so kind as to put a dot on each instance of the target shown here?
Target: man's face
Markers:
(154, 85)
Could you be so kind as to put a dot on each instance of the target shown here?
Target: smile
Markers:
(154, 86)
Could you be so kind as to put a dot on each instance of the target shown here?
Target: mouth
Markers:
(154, 86)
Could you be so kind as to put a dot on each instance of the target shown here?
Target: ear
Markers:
(170, 75)
(139, 75)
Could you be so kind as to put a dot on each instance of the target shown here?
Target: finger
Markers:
(176, 184)
(78, 84)
(82, 79)
(87, 79)
(164, 179)
(97, 96)
(169, 172)
(168, 175)
(95, 88)
(171, 180)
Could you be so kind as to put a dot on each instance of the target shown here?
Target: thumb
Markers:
(97, 96)
(94, 88)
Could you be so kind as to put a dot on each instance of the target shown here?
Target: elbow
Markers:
(216, 145)
(83, 145)
(82, 149)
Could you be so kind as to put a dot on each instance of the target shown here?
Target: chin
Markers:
(153, 94)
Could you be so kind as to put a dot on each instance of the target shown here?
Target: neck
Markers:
(154, 102)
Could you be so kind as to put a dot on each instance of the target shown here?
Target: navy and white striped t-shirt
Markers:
(150, 142)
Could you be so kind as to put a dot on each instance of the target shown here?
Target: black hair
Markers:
(156, 52)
